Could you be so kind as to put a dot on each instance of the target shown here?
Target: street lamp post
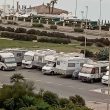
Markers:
(76, 9)
(4, 9)
(82, 12)
(108, 80)
(86, 30)
(100, 17)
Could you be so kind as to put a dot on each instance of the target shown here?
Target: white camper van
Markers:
(27, 61)
(39, 57)
(105, 78)
(93, 71)
(7, 61)
(68, 63)
(18, 53)
(50, 64)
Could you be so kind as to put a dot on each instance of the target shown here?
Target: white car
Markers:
(105, 78)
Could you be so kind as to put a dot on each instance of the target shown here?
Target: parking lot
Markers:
(64, 87)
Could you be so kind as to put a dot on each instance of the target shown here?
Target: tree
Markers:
(53, 2)
(103, 54)
(16, 78)
(49, 6)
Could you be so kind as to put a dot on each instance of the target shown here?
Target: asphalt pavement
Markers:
(64, 87)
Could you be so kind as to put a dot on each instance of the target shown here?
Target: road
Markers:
(64, 87)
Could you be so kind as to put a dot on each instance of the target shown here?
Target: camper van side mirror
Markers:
(54, 65)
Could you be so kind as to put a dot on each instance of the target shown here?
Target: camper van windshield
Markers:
(87, 70)
(28, 58)
(50, 64)
(10, 60)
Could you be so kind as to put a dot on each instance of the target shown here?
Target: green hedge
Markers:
(53, 27)
(20, 30)
(55, 40)
(16, 36)
(80, 30)
(37, 25)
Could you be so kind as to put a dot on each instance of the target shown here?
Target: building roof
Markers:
(43, 9)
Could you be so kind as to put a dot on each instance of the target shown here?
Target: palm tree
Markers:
(53, 2)
(15, 78)
(48, 6)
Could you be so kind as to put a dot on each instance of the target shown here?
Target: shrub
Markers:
(20, 30)
(78, 30)
(38, 25)
(2, 28)
(87, 44)
(78, 100)
(17, 36)
(88, 53)
(58, 41)
(10, 29)
(99, 44)
(53, 27)
(44, 33)
(32, 31)
(105, 41)
(103, 54)
(80, 38)
(63, 102)
(50, 98)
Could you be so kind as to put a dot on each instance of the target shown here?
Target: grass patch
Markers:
(73, 47)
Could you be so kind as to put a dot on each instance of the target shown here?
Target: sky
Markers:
(69, 5)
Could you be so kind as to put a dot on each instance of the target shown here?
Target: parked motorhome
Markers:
(105, 78)
(7, 61)
(68, 63)
(18, 53)
(50, 64)
(39, 58)
(28, 59)
(91, 72)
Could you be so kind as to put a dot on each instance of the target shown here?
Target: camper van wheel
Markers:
(3, 68)
(91, 81)
(52, 73)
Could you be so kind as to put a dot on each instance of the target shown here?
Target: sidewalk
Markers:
(97, 105)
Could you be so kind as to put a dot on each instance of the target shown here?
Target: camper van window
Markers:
(71, 64)
(96, 70)
(58, 62)
(39, 59)
(19, 54)
(87, 70)
(28, 58)
(10, 60)
(103, 69)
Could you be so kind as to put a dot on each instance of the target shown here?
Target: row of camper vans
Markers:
(51, 62)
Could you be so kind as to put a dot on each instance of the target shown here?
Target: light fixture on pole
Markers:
(86, 30)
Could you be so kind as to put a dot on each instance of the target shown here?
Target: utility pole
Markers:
(86, 31)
